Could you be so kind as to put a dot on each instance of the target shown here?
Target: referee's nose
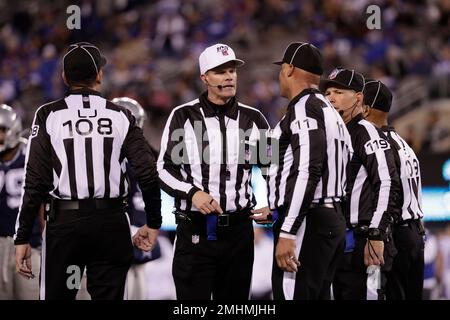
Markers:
(230, 74)
(329, 95)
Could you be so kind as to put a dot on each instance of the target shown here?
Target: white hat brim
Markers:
(238, 62)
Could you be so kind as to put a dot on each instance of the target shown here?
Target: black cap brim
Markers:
(279, 63)
(103, 61)
(325, 84)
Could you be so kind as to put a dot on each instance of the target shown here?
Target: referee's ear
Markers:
(291, 69)
(99, 78)
(360, 99)
(204, 80)
(366, 110)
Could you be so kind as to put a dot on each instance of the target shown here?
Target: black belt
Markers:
(65, 211)
(412, 223)
(89, 204)
(331, 205)
(226, 219)
(314, 205)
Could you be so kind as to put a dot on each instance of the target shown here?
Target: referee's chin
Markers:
(227, 92)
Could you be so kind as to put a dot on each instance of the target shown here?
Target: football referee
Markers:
(307, 184)
(405, 280)
(75, 163)
(372, 193)
(208, 149)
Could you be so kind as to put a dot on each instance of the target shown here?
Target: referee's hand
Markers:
(23, 260)
(374, 253)
(205, 203)
(145, 238)
(285, 255)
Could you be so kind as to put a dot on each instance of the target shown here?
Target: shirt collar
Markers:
(230, 109)
(387, 128)
(355, 120)
(83, 91)
(303, 93)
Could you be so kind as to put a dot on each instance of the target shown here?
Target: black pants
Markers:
(350, 281)
(99, 241)
(220, 269)
(405, 281)
(320, 243)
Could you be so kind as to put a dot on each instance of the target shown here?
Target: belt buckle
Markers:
(223, 220)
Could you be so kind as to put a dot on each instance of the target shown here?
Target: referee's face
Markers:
(344, 101)
(221, 82)
(285, 71)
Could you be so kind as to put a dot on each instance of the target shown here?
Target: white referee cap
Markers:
(215, 56)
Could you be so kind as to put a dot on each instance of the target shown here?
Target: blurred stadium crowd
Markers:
(152, 48)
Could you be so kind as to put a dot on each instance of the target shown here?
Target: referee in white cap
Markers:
(208, 149)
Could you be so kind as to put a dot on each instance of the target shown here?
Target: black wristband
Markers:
(191, 192)
(375, 234)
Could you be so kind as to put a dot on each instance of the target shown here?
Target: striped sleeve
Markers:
(379, 162)
(170, 159)
(308, 142)
(142, 161)
(38, 177)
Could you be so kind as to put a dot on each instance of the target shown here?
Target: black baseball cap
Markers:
(343, 78)
(377, 95)
(82, 61)
(303, 55)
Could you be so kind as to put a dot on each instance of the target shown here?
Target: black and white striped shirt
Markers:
(211, 148)
(372, 183)
(313, 150)
(78, 150)
(410, 180)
